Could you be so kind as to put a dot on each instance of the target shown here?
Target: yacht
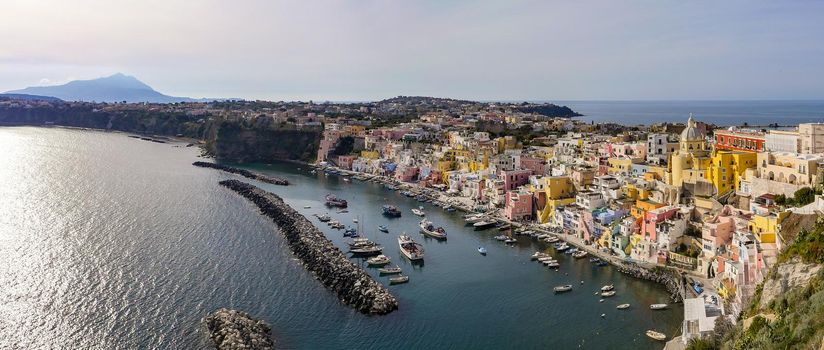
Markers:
(379, 260)
(483, 224)
(564, 288)
(366, 249)
(412, 250)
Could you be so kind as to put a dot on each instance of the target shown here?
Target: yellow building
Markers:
(370, 154)
(642, 206)
(555, 191)
(765, 227)
(619, 165)
(727, 167)
(691, 161)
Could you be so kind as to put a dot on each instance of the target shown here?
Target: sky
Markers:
(357, 50)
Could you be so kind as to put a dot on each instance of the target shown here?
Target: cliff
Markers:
(236, 143)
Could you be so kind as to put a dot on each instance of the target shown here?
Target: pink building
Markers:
(655, 217)
(515, 178)
(536, 165)
(518, 205)
(345, 162)
(406, 174)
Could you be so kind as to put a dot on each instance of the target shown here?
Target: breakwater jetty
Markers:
(232, 329)
(245, 173)
(666, 277)
(319, 255)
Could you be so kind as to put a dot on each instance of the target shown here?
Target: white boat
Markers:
(656, 335)
(399, 280)
(389, 270)
(366, 250)
(418, 212)
(472, 219)
(430, 230)
(409, 248)
(562, 247)
(324, 218)
(307, 207)
(579, 254)
(355, 220)
(622, 306)
(379, 260)
(483, 224)
(546, 258)
(539, 255)
(658, 306)
(510, 240)
(608, 294)
(607, 288)
(553, 264)
(564, 288)
(482, 250)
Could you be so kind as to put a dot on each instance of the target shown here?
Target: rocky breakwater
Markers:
(319, 255)
(667, 277)
(245, 173)
(232, 329)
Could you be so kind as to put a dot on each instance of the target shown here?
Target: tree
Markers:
(804, 196)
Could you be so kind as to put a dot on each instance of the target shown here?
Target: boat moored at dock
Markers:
(656, 335)
(410, 249)
(391, 211)
(399, 280)
(333, 201)
(564, 288)
(658, 306)
(428, 229)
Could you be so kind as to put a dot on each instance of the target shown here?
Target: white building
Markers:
(782, 141)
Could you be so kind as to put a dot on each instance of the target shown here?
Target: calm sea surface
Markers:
(723, 113)
(108, 242)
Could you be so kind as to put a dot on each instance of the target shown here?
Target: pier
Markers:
(245, 173)
(319, 255)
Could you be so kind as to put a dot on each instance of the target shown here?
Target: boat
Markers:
(483, 224)
(427, 228)
(389, 270)
(608, 294)
(501, 237)
(622, 306)
(307, 207)
(510, 240)
(350, 232)
(579, 254)
(602, 263)
(553, 264)
(367, 249)
(473, 218)
(658, 306)
(607, 288)
(379, 260)
(539, 255)
(335, 202)
(418, 211)
(391, 211)
(399, 280)
(546, 258)
(564, 288)
(410, 249)
(324, 218)
(342, 211)
(656, 335)
(504, 227)
(482, 250)
(383, 228)
(450, 208)
(553, 239)
(355, 220)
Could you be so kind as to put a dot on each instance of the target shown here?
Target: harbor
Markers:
(454, 264)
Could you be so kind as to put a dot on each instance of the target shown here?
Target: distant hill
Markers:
(115, 88)
(29, 97)
(545, 109)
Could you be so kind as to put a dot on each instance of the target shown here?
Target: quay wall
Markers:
(319, 255)
(243, 172)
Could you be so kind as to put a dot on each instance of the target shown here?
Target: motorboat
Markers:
(324, 218)
(367, 250)
(391, 211)
(334, 201)
(427, 228)
(383, 228)
(656, 335)
(564, 288)
(355, 220)
(510, 240)
(504, 227)
(410, 249)
(483, 224)
(539, 255)
(546, 258)
(579, 254)
(482, 250)
(553, 239)
(622, 306)
(307, 207)
(389, 270)
(607, 288)
(658, 306)
(399, 280)
(608, 294)
(561, 246)
(501, 237)
(553, 264)
(471, 219)
(379, 260)
(418, 212)
(343, 211)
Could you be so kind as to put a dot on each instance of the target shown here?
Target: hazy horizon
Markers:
(370, 50)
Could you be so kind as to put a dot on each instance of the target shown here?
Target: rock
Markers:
(787, 276)
(232, 329)
(319, 255)
(244, 173)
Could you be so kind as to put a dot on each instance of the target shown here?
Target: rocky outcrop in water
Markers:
(330, 265)
(233, 329)
(244, 173)
(669, 279)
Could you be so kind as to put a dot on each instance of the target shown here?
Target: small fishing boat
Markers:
(334, 201)
(579, 254)
(418, 212)
(307, 207)
(553, 264)
(471, 219)
(622, 306)
(399, 280)
(379, 260)
(552, 239)
(656, 335)
(482, 250)
(391, 211)
(539, 255)
(410, 249)
(608, 294)
(501, 237)
(324, 218)
(390, 270)
(355, 220)
(504, 227)
(607, 288)
(427, 228)
(383, 228)
(510, 240)
(367, 250)
(564, 288)
(343, 211)
(658, 306)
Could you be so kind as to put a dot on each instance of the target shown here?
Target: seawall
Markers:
(233, 329)
(244, 173)
(319, 255)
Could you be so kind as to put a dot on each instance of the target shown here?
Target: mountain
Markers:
(115, 88)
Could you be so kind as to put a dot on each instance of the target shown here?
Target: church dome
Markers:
(691, 132)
